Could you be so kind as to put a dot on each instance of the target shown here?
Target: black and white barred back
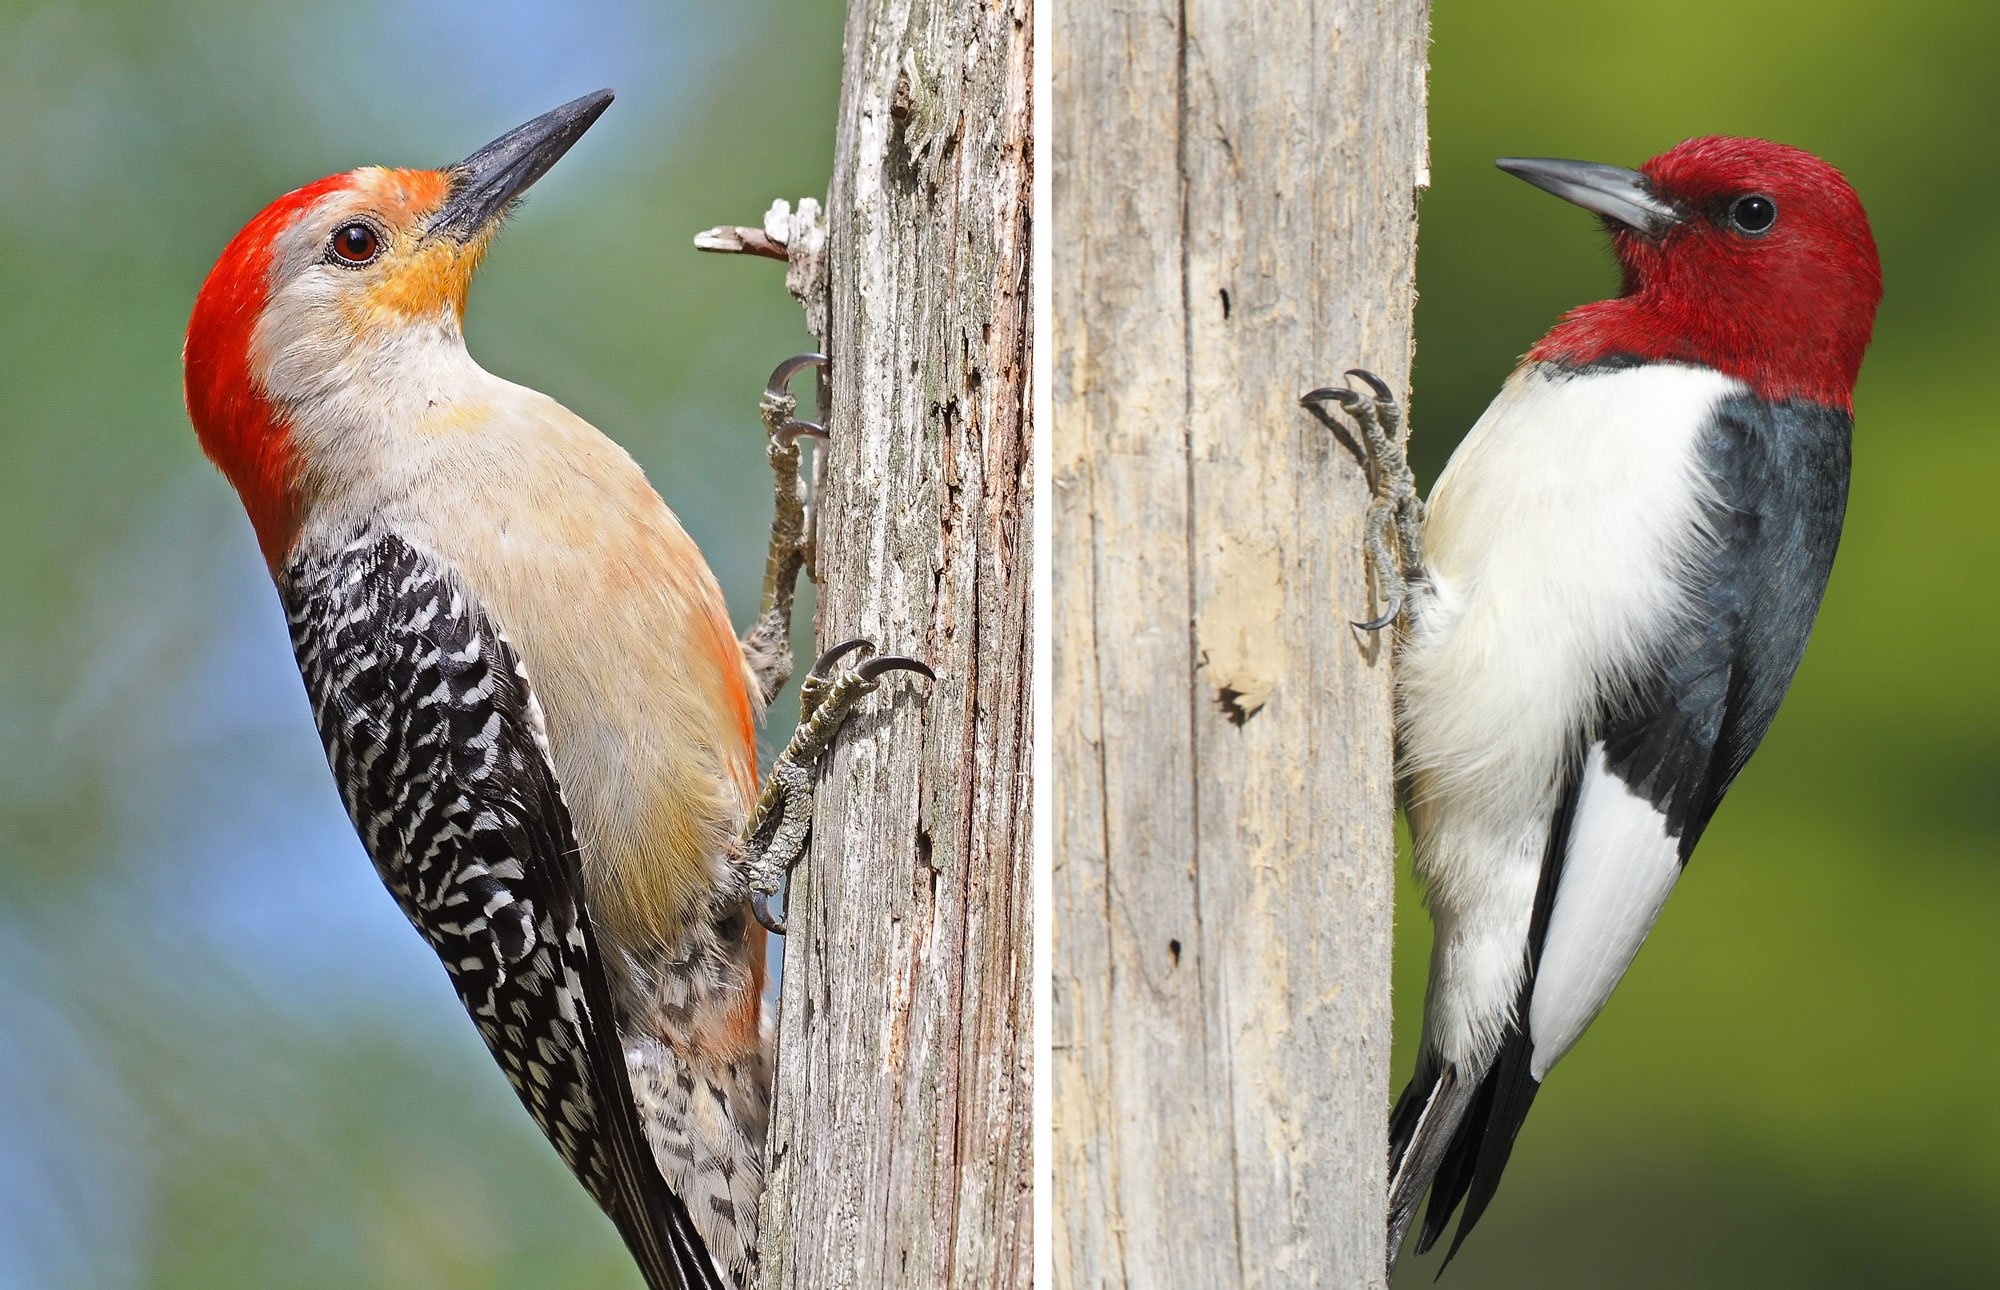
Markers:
(437, 745)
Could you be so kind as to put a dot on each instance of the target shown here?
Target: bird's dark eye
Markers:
(356, 243)
(1753, 214)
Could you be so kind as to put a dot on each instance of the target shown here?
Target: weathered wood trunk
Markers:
(900, 1143)
(1235, 188)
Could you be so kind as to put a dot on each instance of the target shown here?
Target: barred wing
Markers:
(436, 742)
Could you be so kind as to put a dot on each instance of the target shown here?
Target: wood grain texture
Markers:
(900, 1142)
(1235, 219)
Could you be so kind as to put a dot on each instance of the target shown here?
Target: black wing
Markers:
(1781, 472)
(436, 743)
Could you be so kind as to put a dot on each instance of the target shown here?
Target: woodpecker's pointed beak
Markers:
(1611, 191)
(488, 181)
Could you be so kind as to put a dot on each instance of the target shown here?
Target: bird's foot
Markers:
(1393, 537)
(776, 836)
(768, 645)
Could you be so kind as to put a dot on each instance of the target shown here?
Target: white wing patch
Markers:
(1618, 870)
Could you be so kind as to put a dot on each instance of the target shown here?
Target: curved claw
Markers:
(782, 376)
(792, 431)
(1374, 382)
(1389, 615)
(1346, 398)
(876, 667)
(835, 653)
(760, 908)
(1322, 394)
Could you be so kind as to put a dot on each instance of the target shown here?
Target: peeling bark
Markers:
(900, 1143)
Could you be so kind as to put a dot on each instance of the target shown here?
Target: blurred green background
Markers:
(225, 1060)
(1794, 1087)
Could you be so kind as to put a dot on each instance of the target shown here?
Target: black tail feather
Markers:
(1454, 1174)
(1408, 1178)
(1479, 1155)
(1452, 1136)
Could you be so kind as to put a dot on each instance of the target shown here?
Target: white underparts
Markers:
(1558, 542)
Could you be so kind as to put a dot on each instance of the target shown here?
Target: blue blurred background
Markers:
(1795, 1085)
(225, 1061)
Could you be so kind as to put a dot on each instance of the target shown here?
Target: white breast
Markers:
(1556, 540)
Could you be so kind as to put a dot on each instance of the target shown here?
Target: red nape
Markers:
(239, 429)
(1789, 312)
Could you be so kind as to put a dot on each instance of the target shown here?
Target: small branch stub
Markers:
(739, 239)
(796, 236)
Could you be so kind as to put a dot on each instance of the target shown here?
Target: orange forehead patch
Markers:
(403, 196)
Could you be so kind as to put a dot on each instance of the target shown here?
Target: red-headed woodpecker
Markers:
(1618, 572)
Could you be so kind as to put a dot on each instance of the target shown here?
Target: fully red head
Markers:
(1746, 256)
(343, 290)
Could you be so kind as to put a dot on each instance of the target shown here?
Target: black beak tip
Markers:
(592, 105)
(488, 181)
(560, 127)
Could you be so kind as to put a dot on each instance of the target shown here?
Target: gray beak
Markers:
(488, 181)
(1611, 191)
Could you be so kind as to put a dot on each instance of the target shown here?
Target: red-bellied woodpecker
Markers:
(533, 704)
(1607, 597)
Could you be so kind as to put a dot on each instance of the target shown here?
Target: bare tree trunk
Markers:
(900, 1140)
(1235, 189)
